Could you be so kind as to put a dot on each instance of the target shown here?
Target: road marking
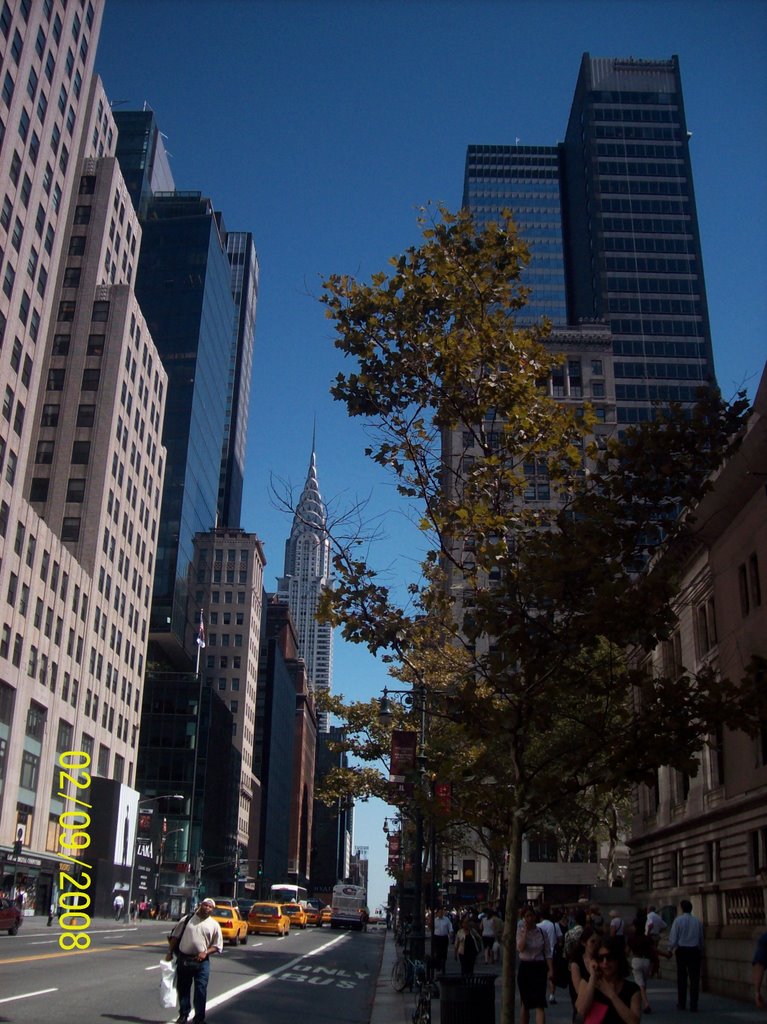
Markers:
(247, 985)
(28, 995)
(80, 952)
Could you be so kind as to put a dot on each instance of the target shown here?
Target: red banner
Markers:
(443, 793)
(403, 755)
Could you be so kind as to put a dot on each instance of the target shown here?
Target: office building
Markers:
(143, 158)
(227, 592)
(333, 826)
(285, 752)
(81, 455)
(243, 260)
(628, 230)
(525, 179)
(306, 575)
(183, 287)
(703, 837)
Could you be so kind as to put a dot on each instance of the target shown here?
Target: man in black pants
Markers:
(686, 939)
(442, 938)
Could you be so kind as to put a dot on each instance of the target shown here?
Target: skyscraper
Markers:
(628, 229)
(527, 180)
(243, 261)
(80, 451)
(183, 287)
(306, 575)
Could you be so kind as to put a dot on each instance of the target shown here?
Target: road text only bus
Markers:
(284, 892)
(348, 908)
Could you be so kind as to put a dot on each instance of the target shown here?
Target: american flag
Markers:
(201, 632)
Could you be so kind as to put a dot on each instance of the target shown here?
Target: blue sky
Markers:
(322, 125)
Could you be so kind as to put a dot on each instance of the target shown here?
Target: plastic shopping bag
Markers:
(168, 993)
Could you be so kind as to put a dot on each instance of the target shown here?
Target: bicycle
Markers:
(406, 971)
(422, 1011)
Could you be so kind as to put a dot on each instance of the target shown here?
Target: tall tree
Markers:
(532, 603)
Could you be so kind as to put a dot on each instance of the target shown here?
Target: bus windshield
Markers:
(284, 892)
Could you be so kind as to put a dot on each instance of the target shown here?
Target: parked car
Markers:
(233, 927)
(296, 913)
(268, 918)
(10, 917)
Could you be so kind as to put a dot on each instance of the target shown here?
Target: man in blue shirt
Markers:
(686, 940)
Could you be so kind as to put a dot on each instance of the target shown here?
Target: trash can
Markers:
(467, 1000)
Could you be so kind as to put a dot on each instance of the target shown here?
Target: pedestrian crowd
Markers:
(605, 964)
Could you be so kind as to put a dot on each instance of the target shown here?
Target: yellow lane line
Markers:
(80, 952)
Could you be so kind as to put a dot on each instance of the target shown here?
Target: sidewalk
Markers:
(390, 1007)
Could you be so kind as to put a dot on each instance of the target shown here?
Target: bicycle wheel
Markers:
(422, 1012)
(399, 975)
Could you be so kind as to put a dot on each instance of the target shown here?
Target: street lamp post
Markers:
(415, 698)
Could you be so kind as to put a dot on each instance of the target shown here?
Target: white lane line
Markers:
(28, 995)
(247, 985)
(155, 968)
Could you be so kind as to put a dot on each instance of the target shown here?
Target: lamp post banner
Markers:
(403, 755)
(395, 847)
(404, 746)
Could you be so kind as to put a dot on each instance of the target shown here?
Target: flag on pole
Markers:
(201, 632)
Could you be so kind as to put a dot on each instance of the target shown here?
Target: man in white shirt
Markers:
(193, 940)
(553, 933)
(442, 939)
(686, 939)
(655, 924)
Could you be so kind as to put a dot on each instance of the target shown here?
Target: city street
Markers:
(327, 974)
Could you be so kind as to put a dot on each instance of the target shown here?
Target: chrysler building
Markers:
(307, 573)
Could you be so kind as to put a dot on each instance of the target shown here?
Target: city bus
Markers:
(348, 908)
(285, 892)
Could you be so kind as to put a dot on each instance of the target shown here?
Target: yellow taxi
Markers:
(296, 913)
(268, 918)
(234, 928)
(326, 914)
(313, 913)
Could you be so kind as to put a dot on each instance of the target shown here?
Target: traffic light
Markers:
(17, 847)
(260, 868)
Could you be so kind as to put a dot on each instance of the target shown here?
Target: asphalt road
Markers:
(315, 974)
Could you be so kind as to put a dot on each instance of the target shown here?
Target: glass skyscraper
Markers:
(183, 287)
(525, 179)
(618, 193)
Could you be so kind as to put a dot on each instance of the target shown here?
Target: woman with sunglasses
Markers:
(606, 997)
(586, 949)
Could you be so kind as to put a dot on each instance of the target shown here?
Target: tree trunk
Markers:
(612, 831)
(508, 982)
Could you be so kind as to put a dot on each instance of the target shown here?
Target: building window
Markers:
(70, 528)
(81, 452)
(754, 584)
(75, 490)
(543, 849)
(38, 490)
(86, 415)
(50, 414)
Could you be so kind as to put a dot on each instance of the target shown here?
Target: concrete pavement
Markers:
(390, 1007)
